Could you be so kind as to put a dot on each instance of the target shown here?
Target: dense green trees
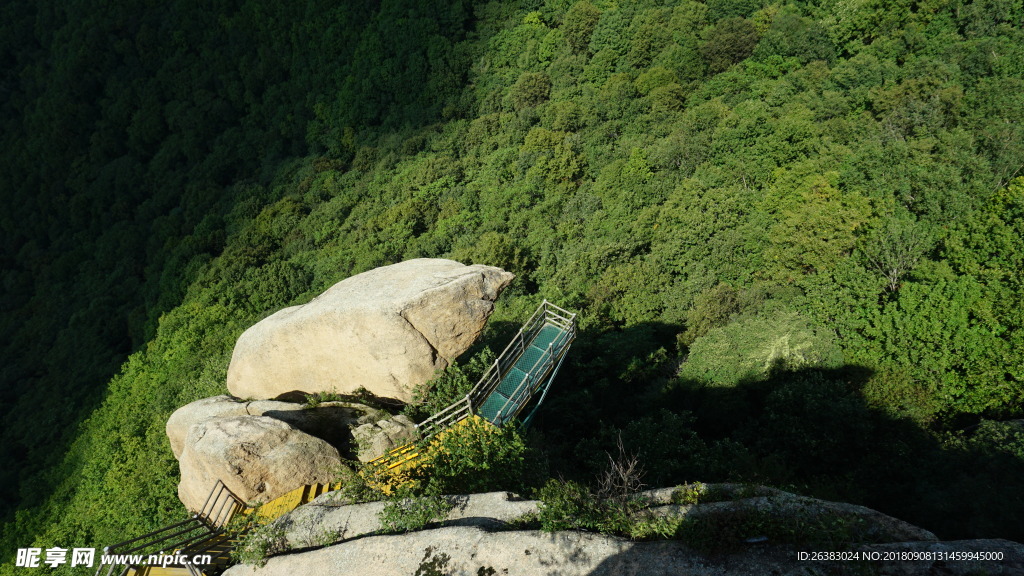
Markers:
(779, 222)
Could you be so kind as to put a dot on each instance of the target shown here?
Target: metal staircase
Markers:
(524, 370)
(204, 536)
(200, 532)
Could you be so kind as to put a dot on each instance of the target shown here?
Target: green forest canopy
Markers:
(794, 231)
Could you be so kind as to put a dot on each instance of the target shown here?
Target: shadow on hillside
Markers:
(806, 430)
(114, 299)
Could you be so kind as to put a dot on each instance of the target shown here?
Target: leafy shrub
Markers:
(473, 456)
(476, 456)
(259, 543)
(668, 98)
(354, 485)
(405, 511)
(751, 347)
(732, 8)
(568, 505)
(448, 386)
(579, 23)
(564, 116)
(613, 508)
(314, 400)
(730, 529)
(689, 494)
(655, 77)
(712, 308)
(730, 41)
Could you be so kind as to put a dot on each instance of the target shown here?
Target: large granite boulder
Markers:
(386, 330)
(330, 421)
(258, 458)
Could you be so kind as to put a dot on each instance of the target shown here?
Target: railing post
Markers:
(210, 495)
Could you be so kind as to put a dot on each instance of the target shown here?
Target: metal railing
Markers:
(547, 314)
(445, 418)
(193, 534)
(536, 376)
(220, 506)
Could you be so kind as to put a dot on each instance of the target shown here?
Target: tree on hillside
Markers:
(896, 247)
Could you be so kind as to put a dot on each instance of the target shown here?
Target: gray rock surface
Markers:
(872, 524)
(258, 458)
(329, 518)
(375, 439)
(329, 536)
(472, 551)
(386, 330)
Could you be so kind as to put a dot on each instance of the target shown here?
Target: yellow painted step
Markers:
(392, 469)
(290, 501)
(403, 454)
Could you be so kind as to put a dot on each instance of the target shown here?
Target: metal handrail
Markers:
(151, 543)
(193, 519)
(533, 325)
(196, 540)
(549, 359)
(214, 512)
(518, 396)
(445, 414)
(485, 387)
(546, 314)
(535, 375)
(442, 425)
(220, 507)
(159, 540)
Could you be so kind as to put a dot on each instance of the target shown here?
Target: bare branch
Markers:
(622, 479)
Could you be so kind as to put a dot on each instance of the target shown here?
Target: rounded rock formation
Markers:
(386, 330)
(258, 458)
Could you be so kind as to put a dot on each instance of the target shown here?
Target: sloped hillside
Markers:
(793, 231)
